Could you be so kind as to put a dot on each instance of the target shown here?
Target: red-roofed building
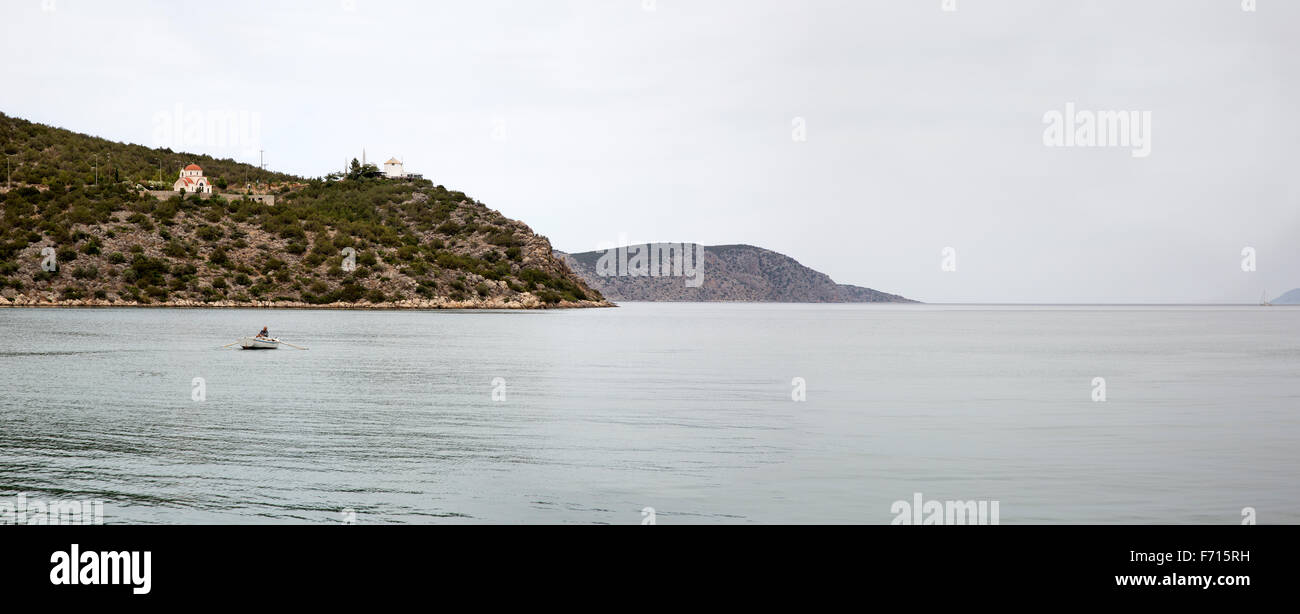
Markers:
(192, 180)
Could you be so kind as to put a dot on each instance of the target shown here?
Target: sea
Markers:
(664, 413)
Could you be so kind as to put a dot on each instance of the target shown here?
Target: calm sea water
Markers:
(684, 408)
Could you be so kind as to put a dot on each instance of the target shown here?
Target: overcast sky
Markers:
(861, 138)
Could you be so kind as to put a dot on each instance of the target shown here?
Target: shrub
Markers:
(141, 220)
(146, 271)
(504, 238)
(351, 292)
(209, 233)
(534, 276)
(175, 249)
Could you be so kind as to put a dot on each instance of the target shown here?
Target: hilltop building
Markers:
(393, 169)
(192, 180)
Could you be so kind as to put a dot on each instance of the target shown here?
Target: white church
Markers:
(192, 180)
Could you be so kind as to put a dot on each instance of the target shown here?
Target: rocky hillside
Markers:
(730, 273)
(352, 242)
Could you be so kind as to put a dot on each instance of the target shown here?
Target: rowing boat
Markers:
(259, 343)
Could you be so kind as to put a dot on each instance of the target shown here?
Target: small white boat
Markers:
(259, 343)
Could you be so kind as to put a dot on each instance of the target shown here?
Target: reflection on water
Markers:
(683, 408)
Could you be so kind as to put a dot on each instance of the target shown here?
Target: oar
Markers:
(293, 346)
(230, 344)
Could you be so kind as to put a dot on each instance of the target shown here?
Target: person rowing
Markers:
(263, 334)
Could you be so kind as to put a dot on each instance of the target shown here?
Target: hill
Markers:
(1290, 298)
(54, 157)
(742, 273)
(356, 241)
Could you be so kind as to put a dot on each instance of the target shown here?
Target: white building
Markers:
(192, 180)
(393, 169)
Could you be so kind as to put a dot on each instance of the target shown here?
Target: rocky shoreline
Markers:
(527, 301)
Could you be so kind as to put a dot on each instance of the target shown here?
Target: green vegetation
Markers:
(40, 154)
(350, 238)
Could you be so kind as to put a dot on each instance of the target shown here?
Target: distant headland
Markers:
(696, 273)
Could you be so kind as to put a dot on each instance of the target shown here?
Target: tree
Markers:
(362, 171)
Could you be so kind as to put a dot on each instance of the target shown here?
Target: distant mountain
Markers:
(740, 273)
(1290, 298)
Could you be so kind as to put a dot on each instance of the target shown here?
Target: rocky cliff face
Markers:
(741, 273)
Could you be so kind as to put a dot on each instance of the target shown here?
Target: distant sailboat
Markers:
(1263, 300)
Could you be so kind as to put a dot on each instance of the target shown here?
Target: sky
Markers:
(903, 145)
